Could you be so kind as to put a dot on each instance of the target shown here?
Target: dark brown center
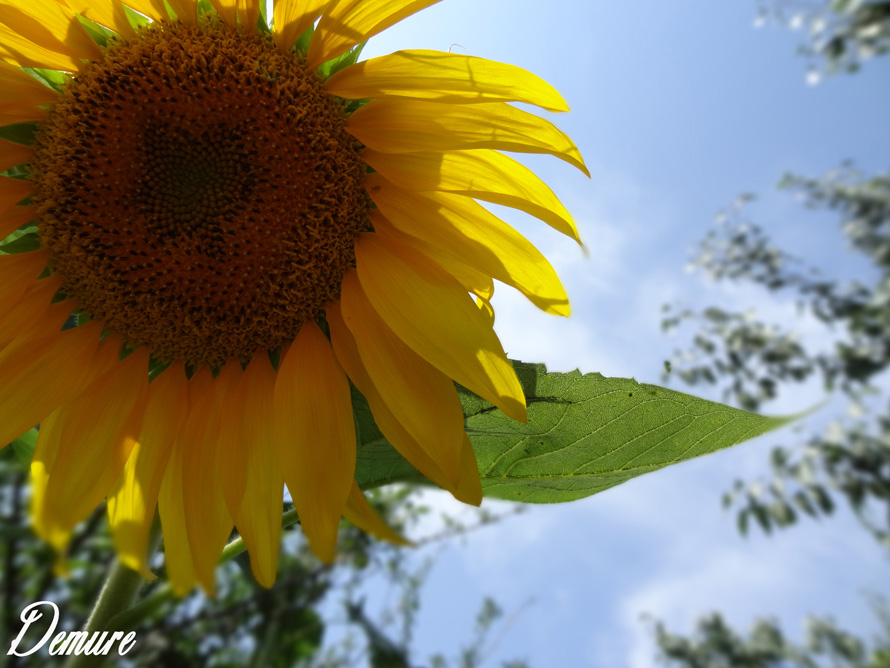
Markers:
(199, 194)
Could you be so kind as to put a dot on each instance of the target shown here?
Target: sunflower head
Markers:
(248, 225)
(205, 209)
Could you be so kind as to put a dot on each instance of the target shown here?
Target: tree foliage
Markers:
(840, 34)
(715, 644)
(751, 359)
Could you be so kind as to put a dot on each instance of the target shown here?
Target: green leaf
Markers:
(585, 434)
(23, 447)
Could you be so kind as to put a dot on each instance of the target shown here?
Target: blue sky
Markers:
(677, 107)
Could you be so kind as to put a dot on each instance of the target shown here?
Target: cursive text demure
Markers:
(75, 642)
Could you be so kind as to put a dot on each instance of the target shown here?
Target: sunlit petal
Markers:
(348, 356)
(293, 17)
(350, 22)
(423, 399)
(467, 230)
(482, 174)
(44, 33)
(430, 312)
(444, 77)
(407, 126)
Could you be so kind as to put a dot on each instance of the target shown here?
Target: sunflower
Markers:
(225, 229)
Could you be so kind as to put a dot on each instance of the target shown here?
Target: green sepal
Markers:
(205, 7)
(302, 43)
(136, 19)
(21, 241)
(342, 61)
(52, 78)
(262, 23)
(99, 33)
(20, 133)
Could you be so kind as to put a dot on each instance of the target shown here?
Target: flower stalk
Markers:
(118, 594)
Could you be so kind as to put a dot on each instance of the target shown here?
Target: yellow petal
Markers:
(16, 50)
(469, 276)
(14, 114)
(228, 10)
(171, 505)
(44, 33)
(293, 17)
(259, 517)
(12, 154)
(432, 314)
(248, 11)
(41, 466)
(350, 22)
(231, 455)
(177, 552)
(361, 514)
(422, 399)
(14, 218)
(207, 518)
(40, 373)
(28, 310)
(100, 429)
(467, 230)
(185, 10)
(45, 453)
(482, 174)
(18, 273)
(132, 503)
(444, 77)
(347, 353)
(406, 126)
(20, 89)
(486, 308)
(153, 9)
(315, 436)
(13, 191)
(110, 14)
(25, 328)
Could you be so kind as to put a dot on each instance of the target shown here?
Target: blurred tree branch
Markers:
(840, 34)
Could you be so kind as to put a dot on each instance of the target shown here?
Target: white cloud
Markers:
(783, 578)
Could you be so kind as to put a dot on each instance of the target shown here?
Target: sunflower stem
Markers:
(117, 595)
(131, 618)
